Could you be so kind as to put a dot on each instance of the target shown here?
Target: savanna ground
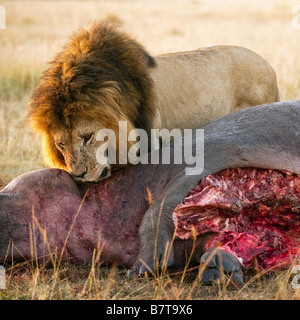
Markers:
(35, 31)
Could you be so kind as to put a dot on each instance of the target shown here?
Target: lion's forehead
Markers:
(79, 130)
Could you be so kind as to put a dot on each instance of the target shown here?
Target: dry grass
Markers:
(77, 282)
(35, 32)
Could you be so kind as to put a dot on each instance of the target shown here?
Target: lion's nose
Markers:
(104, 173)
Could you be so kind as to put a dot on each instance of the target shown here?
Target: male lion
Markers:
(103, 76)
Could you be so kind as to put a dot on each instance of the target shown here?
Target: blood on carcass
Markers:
(253, 213)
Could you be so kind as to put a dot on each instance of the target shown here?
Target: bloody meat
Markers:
(254, 213)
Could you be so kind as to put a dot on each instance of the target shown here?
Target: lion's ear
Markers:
(52, 155)
(151, 61)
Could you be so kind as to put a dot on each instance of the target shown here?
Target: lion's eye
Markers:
(61, 145)
(87, 138)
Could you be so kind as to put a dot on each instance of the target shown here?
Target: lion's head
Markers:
(101, 77)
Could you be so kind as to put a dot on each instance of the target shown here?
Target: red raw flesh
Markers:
(255, 214)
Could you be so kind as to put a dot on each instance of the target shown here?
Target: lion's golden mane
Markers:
(101, 73)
